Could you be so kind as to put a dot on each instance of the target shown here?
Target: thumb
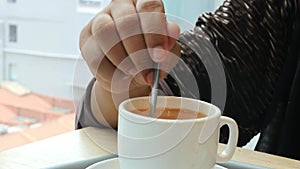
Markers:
(173, 33)
(160, 53)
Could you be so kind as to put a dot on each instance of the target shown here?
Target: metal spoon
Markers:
(154, 90)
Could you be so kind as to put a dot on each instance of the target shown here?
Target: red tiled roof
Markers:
(35, 106)
(30, 101)
(6, 114)
(38, 132)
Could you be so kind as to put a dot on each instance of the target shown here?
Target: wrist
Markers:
(102, 106)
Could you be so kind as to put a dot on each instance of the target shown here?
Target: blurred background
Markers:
(42, 74)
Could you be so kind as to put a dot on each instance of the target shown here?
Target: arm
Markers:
(119, 44)
(105, 109)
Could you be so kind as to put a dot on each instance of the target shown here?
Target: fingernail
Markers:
(158, 54)
(149, 78)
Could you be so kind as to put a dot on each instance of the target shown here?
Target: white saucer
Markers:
(114, 164)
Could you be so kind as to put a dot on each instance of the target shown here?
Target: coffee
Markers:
(171, 113)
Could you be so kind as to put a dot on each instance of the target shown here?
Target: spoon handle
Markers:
(154, 90)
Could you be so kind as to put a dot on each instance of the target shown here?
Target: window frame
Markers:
(91, 8)
(12, 33)
(11, 1)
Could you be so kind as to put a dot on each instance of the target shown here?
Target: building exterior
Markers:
(39, 44)
(41, 70)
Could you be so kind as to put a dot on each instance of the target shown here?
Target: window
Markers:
(12, 71)
(91, 6)
(90, 3)
(11, 1)
(12, 33)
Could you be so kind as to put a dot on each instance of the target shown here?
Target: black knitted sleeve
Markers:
(251, 40)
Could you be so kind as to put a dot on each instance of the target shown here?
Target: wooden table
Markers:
(94, 142)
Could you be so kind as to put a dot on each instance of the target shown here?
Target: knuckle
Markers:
(150, 5)
(102, 24)
(128, 23)
(85, 34)
(82, 40)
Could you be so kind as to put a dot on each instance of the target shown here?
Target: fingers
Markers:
(160, 36)
(107, 37)
(173, 33)
(99, 65)
(92, 54)
(144, 30)
(127, 23)
(154, 26)
(167, 65)
(85, 34)
(128, 36)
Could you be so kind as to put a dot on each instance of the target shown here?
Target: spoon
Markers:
(154, 90)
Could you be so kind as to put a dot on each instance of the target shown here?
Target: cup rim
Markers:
(125, 112)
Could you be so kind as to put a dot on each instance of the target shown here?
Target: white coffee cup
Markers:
(149, 143)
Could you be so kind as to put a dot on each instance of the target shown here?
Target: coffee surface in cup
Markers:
(171, 113)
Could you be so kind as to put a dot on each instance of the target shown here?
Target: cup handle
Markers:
(228, 152)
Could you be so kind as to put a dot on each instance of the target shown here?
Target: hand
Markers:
(121, 42)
